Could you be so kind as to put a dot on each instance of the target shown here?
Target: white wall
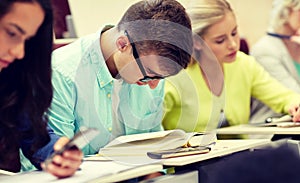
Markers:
(90, 14)
(252, 15)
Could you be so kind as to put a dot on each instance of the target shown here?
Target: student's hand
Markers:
(294, 111)
(64, 165)
(296, 38)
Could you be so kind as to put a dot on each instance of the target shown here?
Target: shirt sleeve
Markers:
(41, 154)
(270, 91)
(61, 113)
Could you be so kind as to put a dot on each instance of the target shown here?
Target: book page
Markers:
(120, 141)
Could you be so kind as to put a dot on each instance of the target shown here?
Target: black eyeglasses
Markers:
(146, 78)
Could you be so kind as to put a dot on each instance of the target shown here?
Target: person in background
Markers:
(278, 53)
(26, 90)
(190, 99)
(110, 80)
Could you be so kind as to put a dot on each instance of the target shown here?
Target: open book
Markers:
(284, 122)
(137, 146)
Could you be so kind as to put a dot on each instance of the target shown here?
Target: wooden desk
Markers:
(255, 130)
(91, 171)
(222, 147)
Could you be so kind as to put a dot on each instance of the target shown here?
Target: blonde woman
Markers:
(215, 22)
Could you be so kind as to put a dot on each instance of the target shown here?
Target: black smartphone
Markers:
(80, 140)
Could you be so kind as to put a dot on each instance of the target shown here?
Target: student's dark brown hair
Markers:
(160, 27)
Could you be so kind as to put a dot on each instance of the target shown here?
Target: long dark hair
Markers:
(25, 86)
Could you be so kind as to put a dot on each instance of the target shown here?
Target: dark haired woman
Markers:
(26, 90)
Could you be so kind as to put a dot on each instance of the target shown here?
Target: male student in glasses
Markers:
(112, 79)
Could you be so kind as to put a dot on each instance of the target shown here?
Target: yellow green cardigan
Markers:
(189, 104)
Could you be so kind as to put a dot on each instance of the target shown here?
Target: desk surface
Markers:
(129, 174)
(222, 148)
(91, 171)
(250, 129)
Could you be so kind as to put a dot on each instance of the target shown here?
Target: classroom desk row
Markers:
(113, 171)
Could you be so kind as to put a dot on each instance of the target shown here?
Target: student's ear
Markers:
(197, 41)
(197, 45)
(122, 43)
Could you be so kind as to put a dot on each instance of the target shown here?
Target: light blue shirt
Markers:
(85, 94)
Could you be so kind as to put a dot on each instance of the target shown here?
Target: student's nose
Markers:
(153, 83)
(18, 51)
(232, 44)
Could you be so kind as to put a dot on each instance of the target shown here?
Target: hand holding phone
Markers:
(80, 140)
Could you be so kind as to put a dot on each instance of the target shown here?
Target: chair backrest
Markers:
(244, 46)
(61, 10)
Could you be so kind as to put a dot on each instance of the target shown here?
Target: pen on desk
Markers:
(285, 118)
(273, 121)
(279, 35)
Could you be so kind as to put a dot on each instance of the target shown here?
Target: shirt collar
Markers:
(103, 75)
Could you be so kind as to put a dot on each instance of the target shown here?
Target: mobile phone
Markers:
(80, 140)
(181, 151)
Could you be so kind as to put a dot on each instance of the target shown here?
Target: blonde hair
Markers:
(280, 12)
(204, 13)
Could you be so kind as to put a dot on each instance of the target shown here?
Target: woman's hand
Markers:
(64, 165)
(296, 38)
(294, 111)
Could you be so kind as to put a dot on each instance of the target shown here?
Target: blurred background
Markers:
(75, 18)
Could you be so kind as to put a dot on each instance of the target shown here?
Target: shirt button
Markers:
(101, 83)
(108, 95)
(109, 129)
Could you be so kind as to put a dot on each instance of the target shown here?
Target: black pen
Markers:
(279, 35)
